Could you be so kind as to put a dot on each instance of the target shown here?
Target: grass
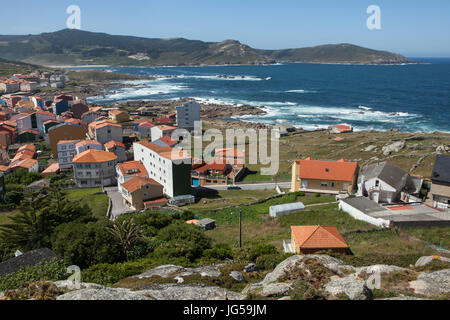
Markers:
(227, 198)
(4, 216)
(93, 197)
(384, 247)
(258, 226)
(439, 236)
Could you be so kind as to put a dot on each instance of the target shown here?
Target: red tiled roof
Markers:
(111, 144)
(132, 168)
(327, 170)
(168, 140)
(318, 237)
(138, 182)
(93, 155)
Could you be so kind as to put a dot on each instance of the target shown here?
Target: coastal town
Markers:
(130, 157)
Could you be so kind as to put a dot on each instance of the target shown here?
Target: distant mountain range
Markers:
(76, 47)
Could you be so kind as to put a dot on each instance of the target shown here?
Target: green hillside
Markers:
(8, 68)
(82, 47)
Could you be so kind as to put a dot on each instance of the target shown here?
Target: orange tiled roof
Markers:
(25, 163)
(93, 155)
(30, 147)
(66, 141)
(318, 237)
(53, 168)
(85, 142)
(117, 111)
(343, 127)
(138, 182)
(327, 170)
(228, 152)
(164, 127)
(111, 144)
(168, 140)
(139, 168)
(103, 123)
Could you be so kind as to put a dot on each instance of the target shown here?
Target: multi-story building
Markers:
(440, 187)
(118, 115)
(138, 190)
(331, 177)
(84, 145)
(187, 114)
(66, 152)
(145, 129)
(105, 130)
(171, 167)
(94, 168)
(157, 132)
(128, 170)
(64, 131)
(385, 183)
(118, 148)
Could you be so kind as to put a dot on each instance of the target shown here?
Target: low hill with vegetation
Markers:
(76, 47)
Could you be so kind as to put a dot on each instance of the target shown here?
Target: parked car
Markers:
(234, 188)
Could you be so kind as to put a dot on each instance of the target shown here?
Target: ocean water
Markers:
(310, 96)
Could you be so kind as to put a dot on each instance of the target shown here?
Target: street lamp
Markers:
(240, 226)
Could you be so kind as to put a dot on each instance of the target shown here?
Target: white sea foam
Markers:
(301, 91)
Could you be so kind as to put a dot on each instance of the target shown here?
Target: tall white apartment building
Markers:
(168, 166)
(187, 114)
(66, 152)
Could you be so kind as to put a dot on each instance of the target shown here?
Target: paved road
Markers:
(255, 186)
(118, 207)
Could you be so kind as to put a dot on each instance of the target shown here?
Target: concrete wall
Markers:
(359, 215)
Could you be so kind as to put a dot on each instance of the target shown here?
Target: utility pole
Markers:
(240, 228)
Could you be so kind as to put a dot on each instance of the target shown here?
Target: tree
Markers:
(25, 231)
(182, 240)
(127, 234)
(84, 244)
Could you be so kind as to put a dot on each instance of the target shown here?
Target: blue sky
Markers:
(415, 28)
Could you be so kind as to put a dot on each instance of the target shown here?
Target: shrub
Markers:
(50, 270)
(268, 261)
(85, 244)
(41, 290)
(260, 249)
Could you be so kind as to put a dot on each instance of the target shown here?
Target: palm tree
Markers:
(126, 233)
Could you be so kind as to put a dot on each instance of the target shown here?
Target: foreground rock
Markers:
(296, 261)
(393, 147)
(188, 292)
(432, 283)
(171, 271)
(422, 261)
(354, 288)
(103, 294)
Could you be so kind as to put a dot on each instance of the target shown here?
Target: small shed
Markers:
(281, 209)
(207, 224)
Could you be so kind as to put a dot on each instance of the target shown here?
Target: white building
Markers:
(127, 170)
(84, 145)
(187, 114)
(94, 168)
(105, 130)
(66, 152)
(386, 183)
(171, 167)
(157, 132)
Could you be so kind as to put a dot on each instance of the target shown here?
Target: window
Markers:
(377, 183)
(332, 184)
(324, 184)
